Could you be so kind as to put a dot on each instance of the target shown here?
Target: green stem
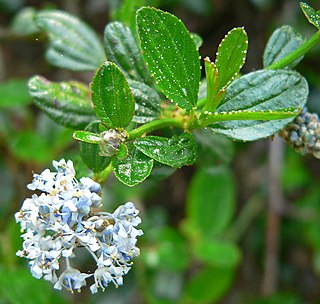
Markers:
(303, 49)
(201, 102)
(155, 125)
(209, 119)
(102, 176)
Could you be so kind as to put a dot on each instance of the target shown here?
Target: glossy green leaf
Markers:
(208, 286)
(90, 152)
(211, 201)
(266, 90)
(213, 94)
(230, 56)
(123, 151)
(171, 55)
(112, 96)
(87, 137)
(176, 152)
(311, 14)
(67, 103)
(122, 49)
(73, 44)
(282, 42)
(14, 92)
(147, 102)
(217, 253)
(134, 168)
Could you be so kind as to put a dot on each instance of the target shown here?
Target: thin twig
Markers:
(275, 207)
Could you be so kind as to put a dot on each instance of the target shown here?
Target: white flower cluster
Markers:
(63, 218)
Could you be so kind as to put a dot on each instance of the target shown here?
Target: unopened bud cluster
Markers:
(303, 133)
(62, 219)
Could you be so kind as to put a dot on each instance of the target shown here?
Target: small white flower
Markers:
(62, 218)
(71, 279)
(104, 275)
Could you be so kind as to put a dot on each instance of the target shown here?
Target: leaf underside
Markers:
(72, 43)
(122, 49)
(147, 102)
(67, 103)
(266, 90)
(282, 42)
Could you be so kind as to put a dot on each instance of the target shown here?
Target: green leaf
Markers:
(133, 169)
(112, 96)
(213, 94)
(67, 103)
(18, 286)
(14, 92)
(217, 253)
(202, 89)
(123, 151)
(122, 49)
(311, 14)
(23, 22)
(171, 250)
(211, 201)
(87, 137)
(176, 152)
(31, 146)
(208, 286)
(147, 102)
(90, 152)
(213, 148)
(126, 12)
(266, 90)
(73, 44)
(282, 42)
(212, 118)
(161, 171)
(230, 57)
(197, 39)
(171, 55)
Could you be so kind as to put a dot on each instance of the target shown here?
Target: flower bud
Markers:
(302, 134)
(111, 140)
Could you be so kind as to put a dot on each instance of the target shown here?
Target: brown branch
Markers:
(275, 207)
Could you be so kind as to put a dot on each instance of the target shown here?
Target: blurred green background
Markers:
(242, 226)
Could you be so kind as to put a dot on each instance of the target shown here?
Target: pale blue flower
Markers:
(71, 279)
(63, 218)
